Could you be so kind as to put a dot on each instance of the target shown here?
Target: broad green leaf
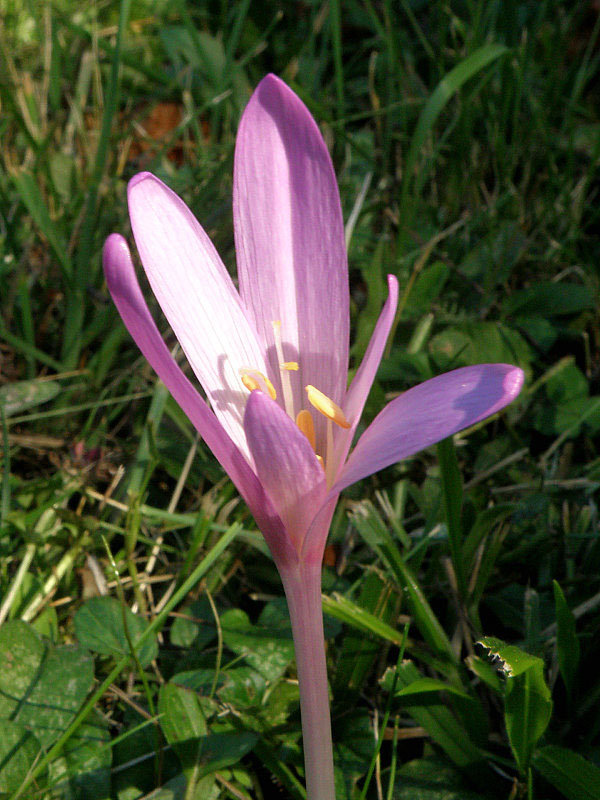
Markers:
(432, 778)
(195, 626)
(183, 722)
(18, 397)
(477, 341)
(99, 626)
(527, 712)
(220, 750)
(568, 405)
(182, 716)
(18, 751)
(41, 686)
(569, 772)
(509, 658)
(567, 643)
(263, 648)
(88, 758)
(177, 789)
(549, 299)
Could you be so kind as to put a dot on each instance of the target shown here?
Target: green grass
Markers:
(466, 140)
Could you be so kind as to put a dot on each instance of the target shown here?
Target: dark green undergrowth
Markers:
(144, 644)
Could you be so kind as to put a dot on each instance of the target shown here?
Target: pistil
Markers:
(284, 370)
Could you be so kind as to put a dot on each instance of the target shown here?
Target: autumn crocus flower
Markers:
(273, 360)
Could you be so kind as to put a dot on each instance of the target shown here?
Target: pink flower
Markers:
(273, 357)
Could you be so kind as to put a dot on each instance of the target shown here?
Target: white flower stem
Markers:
(302, 584)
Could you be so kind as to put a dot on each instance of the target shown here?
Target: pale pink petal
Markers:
(365, 375)
(197, 297)
(289, 238)
(285, 464)
(428, 413)
(125, 290)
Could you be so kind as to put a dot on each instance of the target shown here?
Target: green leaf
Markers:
(266, 650)
(527, 700)
(195, 626)
(360, 647)
(527, 712)
(431, 778)
(549, 299)
(426, 289)
(569, 772)
(567, 643)
(429, 712)
(89, 757)
(443, 92)
(182, 716)
(36, 206)
(425, 685)
(99, 625)
(18, 751)
(183, 721)
(18, 397)
(377, 535)
(41, 686)
(508, 658)
(486, 521)
(452, 491)
(486, 673)
(476, 341)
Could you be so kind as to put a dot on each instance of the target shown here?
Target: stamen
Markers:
(284, 369)
(250, 383)
(305, 422)
(253, 379)
(291, 366)
(329, 453)
(326, 406)
(321, 462)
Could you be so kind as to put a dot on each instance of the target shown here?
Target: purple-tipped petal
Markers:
(197, 297)
(365, 375)
(126, 293)
(285, 464)
(428, 413)
(289, 237)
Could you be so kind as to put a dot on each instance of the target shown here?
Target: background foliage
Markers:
(144, 643)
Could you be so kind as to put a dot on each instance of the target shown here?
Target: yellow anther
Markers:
(305, 422)
(326, 406)
(291, 366)
(253, 379)
(321, 462)
(250, 383)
